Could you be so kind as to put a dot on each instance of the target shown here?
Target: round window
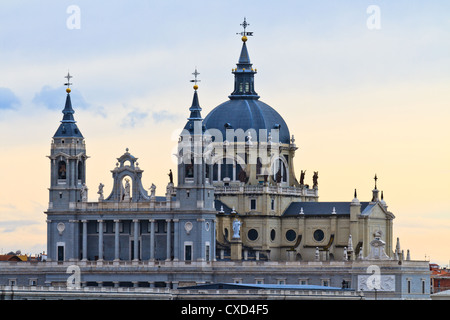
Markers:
(318, 235)
(291, 235)
(272, 234)
(252, 234)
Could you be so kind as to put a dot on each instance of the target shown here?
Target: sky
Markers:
(362, 85)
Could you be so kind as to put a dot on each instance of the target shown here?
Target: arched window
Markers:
(258, 166)
(189, 168)
(279, 171)
(226, 169)
(80, 170)
(229, 168)
(62, 170)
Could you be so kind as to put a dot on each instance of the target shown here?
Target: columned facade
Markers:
(106, 239)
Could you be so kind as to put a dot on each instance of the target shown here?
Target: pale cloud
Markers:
(8, 100)
(54, 98)
(134, 118)
(11, 226)
(164, 115)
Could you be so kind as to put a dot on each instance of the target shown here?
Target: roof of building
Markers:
(322, 208)
(10, 257)
(247, 114)
(68, 127)
(246, 286)
(219, 205)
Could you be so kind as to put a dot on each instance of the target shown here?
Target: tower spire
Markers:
(244, 73)
(68, 127)
(195, 107)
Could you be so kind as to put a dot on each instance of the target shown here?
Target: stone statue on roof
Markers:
(315, 179)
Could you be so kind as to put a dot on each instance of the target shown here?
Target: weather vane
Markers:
(195, 73)
(245, 33)
(68, 84)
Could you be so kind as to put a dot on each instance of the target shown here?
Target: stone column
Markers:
(236, 249)
(213, 243)
(136, 240)
(100, 240)
(116, 240)
(175, 240)
(168, 240)
(152, 239)
(84, 249)
(51, 251)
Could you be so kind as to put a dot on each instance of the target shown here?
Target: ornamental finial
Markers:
(244, 34)
(68, 84)
(195, 73)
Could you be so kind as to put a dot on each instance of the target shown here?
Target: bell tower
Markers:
(195, 189)
(67, 160)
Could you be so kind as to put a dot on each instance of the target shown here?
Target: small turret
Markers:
(375, 191)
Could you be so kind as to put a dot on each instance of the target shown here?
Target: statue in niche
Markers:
(126, 194)
(152, 191)
(83, 192)
(236, 229)
(100, 191)
(170, 174)
(302, 177)
(62, 170)
(315, 178)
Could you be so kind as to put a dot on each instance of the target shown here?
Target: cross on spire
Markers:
(195, 74)
(245, 33)
(375, 178)
(68, 84)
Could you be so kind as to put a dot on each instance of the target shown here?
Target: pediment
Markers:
(377, 211)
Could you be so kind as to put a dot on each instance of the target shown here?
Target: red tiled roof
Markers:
(9, 257)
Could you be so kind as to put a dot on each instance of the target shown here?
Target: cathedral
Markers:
(236, 164)
(233, 212)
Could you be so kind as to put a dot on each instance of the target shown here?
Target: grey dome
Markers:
(247, 114)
